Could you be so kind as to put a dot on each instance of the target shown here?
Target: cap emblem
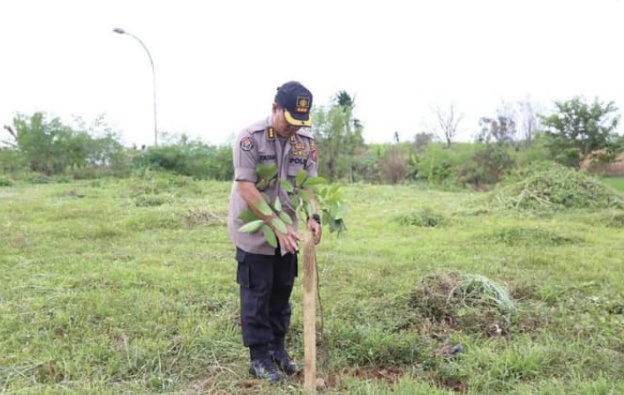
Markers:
(303, 105)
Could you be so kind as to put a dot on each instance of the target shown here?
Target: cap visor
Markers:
(297, 122)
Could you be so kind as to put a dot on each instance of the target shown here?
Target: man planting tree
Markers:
(267, 259)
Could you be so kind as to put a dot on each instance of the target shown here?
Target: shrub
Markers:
(6, 181)
(423, 218)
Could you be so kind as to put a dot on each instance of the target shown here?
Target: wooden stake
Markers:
(309, 314)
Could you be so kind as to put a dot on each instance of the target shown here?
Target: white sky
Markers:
(218, 62)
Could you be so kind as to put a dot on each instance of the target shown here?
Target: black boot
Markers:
(262, 365)
(281, 359)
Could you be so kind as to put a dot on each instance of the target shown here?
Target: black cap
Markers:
(296, 100)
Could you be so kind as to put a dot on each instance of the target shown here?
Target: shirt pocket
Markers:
(296, 164)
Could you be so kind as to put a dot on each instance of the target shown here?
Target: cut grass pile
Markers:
(553, 189)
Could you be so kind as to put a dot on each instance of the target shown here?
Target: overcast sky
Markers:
(218, 63)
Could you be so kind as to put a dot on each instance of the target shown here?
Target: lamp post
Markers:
(122, 31)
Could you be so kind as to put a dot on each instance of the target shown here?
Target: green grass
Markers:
(615, 182)
(128, 286)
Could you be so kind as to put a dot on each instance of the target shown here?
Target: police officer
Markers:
(265, 274)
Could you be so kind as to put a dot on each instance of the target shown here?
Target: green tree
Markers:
(499, 130)
(422, 140)
(49, 146)
(492, 157)
(578, 129)
(344, 100)
(339, 139)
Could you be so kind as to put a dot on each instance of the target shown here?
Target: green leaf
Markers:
(287, 186)
(266, 172)
(264, 208)
(277, 204)
(295, 200)
(252, 226)
(286, 218)
(310, 182)
(247, 216)
(269, 235)
(304, 195)
(262, 185)
(301, 177)
(279, 225)
(337, 226)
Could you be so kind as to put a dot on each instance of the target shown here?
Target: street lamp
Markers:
(122, 31)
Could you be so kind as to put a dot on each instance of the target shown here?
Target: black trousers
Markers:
(266, 283)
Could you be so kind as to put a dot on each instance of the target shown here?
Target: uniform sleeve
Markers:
(245, 153)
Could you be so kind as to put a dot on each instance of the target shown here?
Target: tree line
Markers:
(577, 133)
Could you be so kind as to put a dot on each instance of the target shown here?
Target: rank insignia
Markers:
(300, 152)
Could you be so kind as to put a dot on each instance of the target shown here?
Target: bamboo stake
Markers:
(309, 314)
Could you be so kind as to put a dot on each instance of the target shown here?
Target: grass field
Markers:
(615, 182)
(128, 286)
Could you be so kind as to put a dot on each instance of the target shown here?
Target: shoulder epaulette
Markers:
(305, 133)
(256, 127)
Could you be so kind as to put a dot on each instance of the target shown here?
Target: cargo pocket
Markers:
(296, 265)
(242, 272)
(242, 275)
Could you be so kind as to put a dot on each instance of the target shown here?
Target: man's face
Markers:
(280, 125)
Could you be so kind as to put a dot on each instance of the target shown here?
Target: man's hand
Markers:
(315, 228)
(288, 241)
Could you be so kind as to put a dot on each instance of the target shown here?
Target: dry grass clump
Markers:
(468, 302)
(202, 215)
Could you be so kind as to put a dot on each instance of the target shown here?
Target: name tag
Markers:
(264, 158)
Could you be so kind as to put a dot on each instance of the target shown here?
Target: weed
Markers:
(150, 201)
(6, 181)
(423, 218)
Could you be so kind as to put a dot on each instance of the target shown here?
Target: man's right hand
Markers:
(288, 241)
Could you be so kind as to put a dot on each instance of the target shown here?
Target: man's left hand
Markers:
(315, 228)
